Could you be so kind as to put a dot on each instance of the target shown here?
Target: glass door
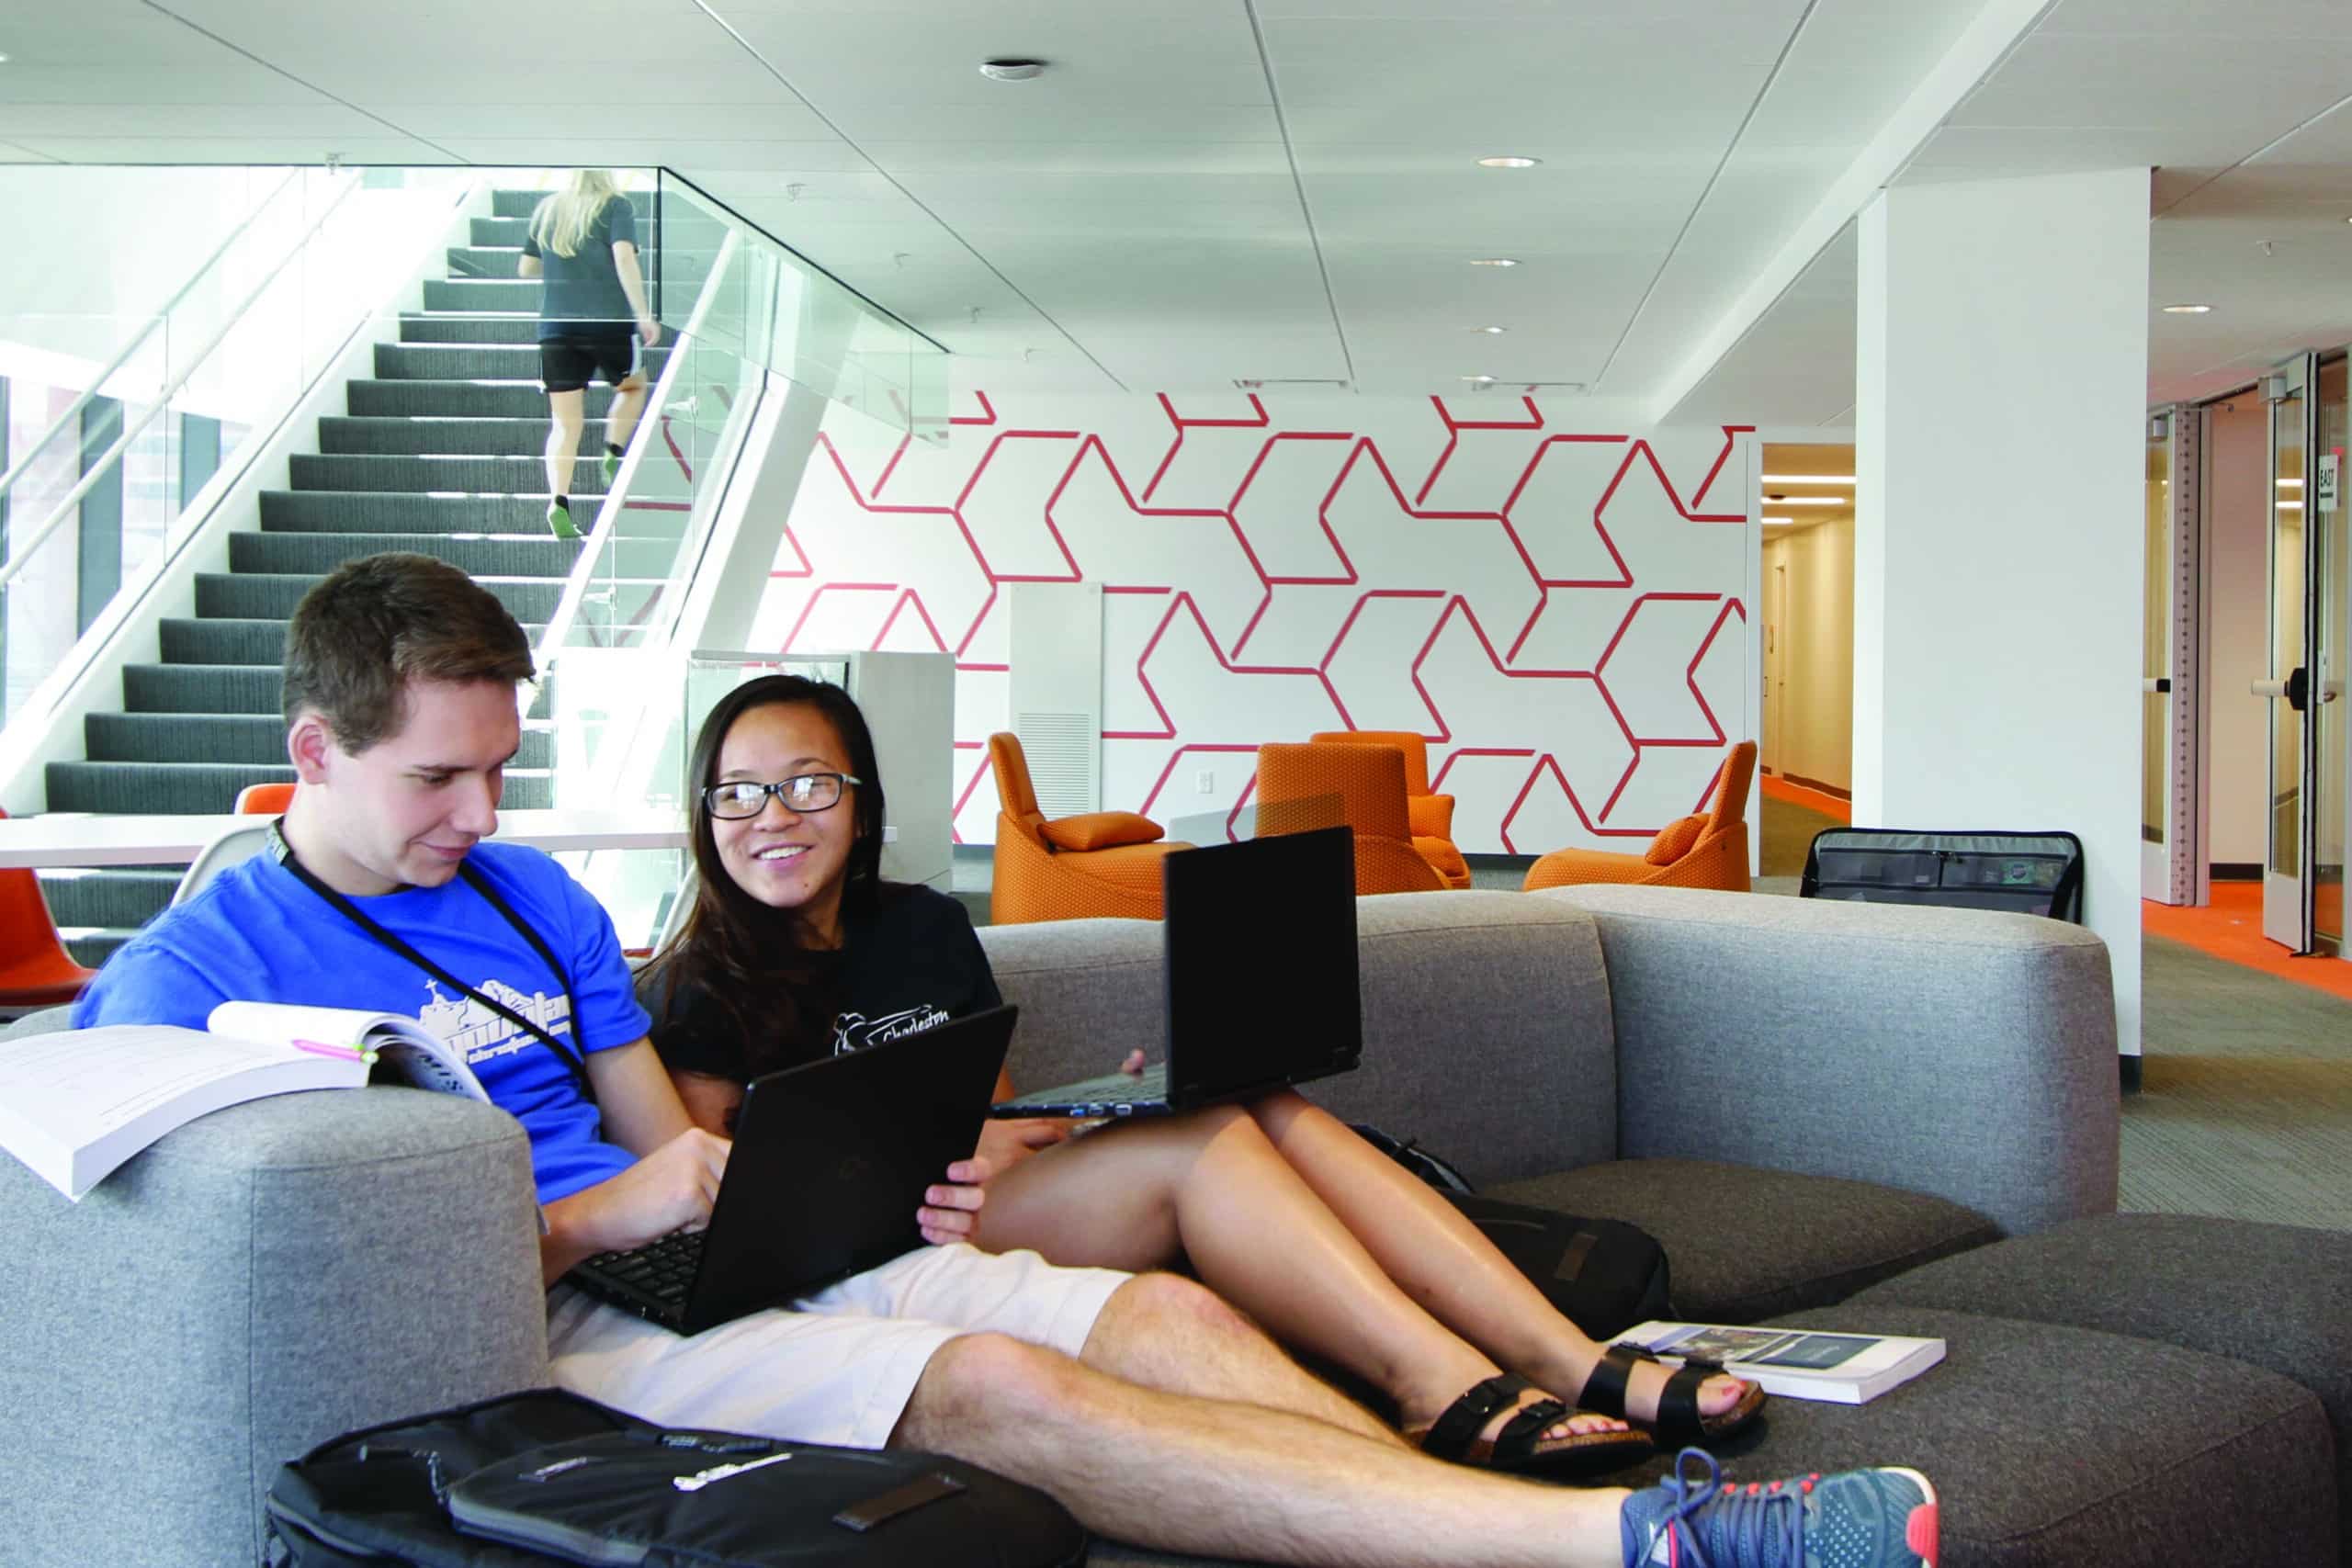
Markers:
(2288, 867)
(2325, 519)
(2155, 672)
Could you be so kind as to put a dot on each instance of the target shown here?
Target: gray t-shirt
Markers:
(582, 295)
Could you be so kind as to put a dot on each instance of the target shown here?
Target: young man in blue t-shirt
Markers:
(1146, 1405)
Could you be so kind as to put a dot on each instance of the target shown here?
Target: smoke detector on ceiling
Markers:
(1012, 70)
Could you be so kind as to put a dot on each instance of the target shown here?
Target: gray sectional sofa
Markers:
(1829, 1112)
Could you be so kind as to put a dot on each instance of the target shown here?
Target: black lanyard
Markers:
(283, 853)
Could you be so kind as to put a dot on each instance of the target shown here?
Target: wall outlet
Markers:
(1206, 780)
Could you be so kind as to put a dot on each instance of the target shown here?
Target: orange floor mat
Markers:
(2230, 928)
(1811, 799)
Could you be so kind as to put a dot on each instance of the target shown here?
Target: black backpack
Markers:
(1604, 1276)
(549, 1477)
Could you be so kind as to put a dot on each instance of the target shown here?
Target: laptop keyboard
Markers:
(1115, 1089)
(663, 1269)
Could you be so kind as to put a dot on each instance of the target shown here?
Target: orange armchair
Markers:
(1105, 862)
(1430, 816)
(1311, 785)
(1710, 851)
(264, 800)
(35, 969)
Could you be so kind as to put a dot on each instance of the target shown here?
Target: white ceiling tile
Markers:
(766, 120)
(2093, 82)
(2272, 20)
(318, 124)
(623, 150)
(1124, 157)
(389, 149)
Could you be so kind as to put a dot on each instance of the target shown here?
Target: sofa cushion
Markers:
(1485, 1022)
(1744, 1243)
(2272, 1295)
(1100, 831)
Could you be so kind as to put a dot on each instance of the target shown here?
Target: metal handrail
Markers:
(566, 610)
(21, 554)
(16, 470)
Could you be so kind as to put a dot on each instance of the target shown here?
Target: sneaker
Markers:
(1858, 1518)
(559, 521)
(609, 467)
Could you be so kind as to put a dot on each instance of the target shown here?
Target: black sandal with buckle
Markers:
(1678, 1419)
(1522, 1448)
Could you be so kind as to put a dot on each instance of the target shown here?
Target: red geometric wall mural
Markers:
(1557, 609)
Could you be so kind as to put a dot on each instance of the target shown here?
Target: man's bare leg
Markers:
(1161, 1332)
(1223, 1480)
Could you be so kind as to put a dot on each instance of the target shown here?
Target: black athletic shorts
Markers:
(567, 363)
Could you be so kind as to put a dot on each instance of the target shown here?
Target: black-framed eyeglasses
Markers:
(801, 792)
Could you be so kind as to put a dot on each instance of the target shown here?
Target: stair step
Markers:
(462, 400)
(91, 949)
(458, 361)
(481, 294)
(514, 556)
(342, 435)
(407, 475)
(253, 596)
(181, 688)
(199, 788)
(523, 203)
(186, 640)
(115, 897)
(484, 261)
(338, 512)
(500, 231)
(481, 327)
(226, 738)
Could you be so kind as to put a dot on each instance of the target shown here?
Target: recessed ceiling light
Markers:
(1491, 331)
(1012, 70)
(1778, 522)
(1479, 378)
(4, 60)
(1808, 479)
(1509, 163)
(2187, 309)
(1492, 261)
(1808, 500)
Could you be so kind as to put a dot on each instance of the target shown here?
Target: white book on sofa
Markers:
(1795, 1363)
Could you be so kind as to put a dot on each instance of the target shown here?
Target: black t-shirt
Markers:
(910, 963)
(582, 295)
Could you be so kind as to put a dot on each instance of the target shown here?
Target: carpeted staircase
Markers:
(438, 452)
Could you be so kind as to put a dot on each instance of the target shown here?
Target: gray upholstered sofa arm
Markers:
(258, 1281)
(1964, 1053)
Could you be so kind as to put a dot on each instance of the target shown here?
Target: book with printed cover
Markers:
(1794, 1363)
(76, 1103)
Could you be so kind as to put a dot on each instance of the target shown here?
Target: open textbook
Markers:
(1796, 1363)
(76, 1104)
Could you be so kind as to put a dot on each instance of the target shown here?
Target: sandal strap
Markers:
(1604, 1389)
(1451, 1436)
(1517, 1441)
(1678, 1403)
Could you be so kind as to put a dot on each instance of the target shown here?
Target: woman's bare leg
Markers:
(564, 410)
(1440, 1259)
(628, 402)
(1209, 1187)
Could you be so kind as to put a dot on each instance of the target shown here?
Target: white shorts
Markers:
(837, 1367)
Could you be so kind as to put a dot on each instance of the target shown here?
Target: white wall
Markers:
(2001, 377)
(2237, 628)
(1816, 738)
(1555, 596)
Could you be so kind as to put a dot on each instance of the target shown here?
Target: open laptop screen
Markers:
(1260, 965)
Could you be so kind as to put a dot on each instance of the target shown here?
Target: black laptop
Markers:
(830, 1163)
(1260, 978)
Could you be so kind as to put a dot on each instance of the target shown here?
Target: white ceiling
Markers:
(1201, 190)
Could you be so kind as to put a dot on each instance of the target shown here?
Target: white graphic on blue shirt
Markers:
(855, 1032)
(484, 1035)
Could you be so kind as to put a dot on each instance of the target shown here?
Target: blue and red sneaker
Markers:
(1858, 1518)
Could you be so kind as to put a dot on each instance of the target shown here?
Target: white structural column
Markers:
(2001, 387)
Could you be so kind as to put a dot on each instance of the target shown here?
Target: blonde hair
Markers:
(560, 221)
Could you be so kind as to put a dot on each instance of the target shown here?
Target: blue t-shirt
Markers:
(258, 933)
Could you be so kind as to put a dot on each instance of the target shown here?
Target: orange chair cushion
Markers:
(1444, 859)
(1100, 831)
(1674, 841)
(1430, 816)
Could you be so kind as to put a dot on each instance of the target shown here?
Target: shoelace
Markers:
(1769, 1517)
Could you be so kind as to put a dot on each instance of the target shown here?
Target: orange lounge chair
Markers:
(35, 969)
(1313, 785)
(264, 800)
(1430, 816)
(1104, 863)
(1709, 851)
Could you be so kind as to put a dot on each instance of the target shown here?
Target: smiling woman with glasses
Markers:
(796, 949)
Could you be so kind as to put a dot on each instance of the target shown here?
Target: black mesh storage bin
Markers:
(2027, 874)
